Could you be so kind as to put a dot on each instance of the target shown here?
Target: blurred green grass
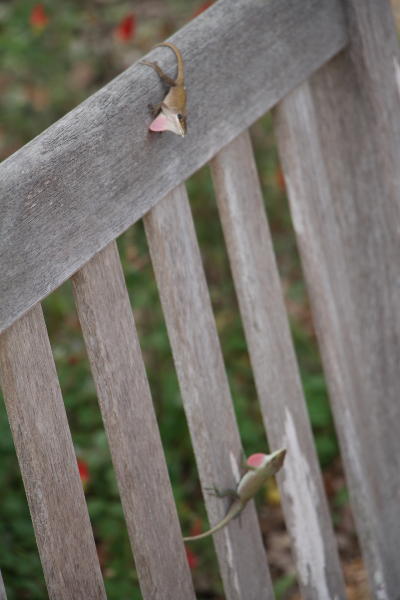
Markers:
(46, 71)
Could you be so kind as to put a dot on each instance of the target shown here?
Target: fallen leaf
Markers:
(38, 17)
(125, 31)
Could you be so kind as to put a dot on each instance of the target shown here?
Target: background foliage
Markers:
(53, 56)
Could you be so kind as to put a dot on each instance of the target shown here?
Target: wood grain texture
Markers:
(128, 414)
(275, 368)
(205, 391)
(344, 195)
(47, 461)
(77, 186)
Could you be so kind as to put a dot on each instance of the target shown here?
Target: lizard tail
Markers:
(234, 510)
(180, 78)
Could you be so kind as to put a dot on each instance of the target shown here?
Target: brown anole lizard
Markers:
(259, 468)
(171, 112)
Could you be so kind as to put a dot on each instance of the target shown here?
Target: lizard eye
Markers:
(180, 117)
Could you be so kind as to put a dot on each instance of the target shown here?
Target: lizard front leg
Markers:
(154, 109)
(163, 76)
(213, 491)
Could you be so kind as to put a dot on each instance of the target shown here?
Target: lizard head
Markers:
(182, 124)
(277, 459)
(274, 460)
(168, 120)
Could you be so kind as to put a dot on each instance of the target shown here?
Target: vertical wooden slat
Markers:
(126, 405)
(195, 345)
(275, 369)
(3, 595)
(47, 461)
(339, 140)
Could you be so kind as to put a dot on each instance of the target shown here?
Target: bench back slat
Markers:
(205, 392)
(47, 461)
(125, 400)
(3, 595)
(347, 230)
(275, 368)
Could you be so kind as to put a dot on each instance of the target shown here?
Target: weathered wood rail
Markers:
(331, 72)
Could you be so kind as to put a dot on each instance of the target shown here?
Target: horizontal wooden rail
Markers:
(77, 186)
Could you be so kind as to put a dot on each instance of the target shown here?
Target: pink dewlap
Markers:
(159, 123)
(255, 460)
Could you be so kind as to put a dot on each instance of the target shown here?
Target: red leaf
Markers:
(280, 179)
(197, 527)
(192, 558)
(126, 28)
(73, 359)
(38, 17)
(83, 472)
(203, 6)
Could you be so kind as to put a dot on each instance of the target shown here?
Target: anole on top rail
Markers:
(171, 112)
(259, 468)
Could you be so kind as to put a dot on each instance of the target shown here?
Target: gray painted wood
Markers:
(128, 414)
(47, 461)
(344, 194)
(3, 595)
(78, 185)
(275, 368)
(184, 295)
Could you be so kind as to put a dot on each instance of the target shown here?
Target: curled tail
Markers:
(234, 510)
(180, 78)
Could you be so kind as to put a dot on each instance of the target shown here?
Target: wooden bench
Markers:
(331, 73)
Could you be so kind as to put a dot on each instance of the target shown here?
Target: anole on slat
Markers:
(171, 112)
(259, 467)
